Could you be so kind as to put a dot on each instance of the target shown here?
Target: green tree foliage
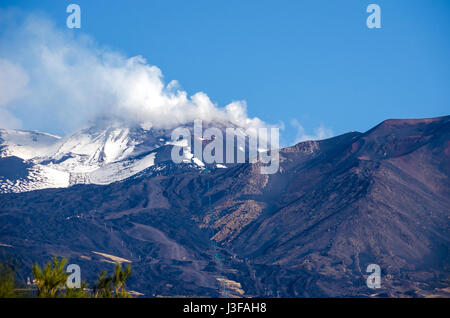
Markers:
(113, 286)
(103, 288)
(7, 281)
(119, 279)
(51, 280)
(81, 292)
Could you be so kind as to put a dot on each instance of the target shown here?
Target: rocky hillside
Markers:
(334, 207)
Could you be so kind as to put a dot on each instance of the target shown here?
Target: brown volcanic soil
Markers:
(335, 206)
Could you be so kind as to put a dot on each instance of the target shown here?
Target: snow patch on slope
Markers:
(26, 144)
(39, 177)
(120, 170)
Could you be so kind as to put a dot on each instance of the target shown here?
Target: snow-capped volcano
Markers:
(96, 155)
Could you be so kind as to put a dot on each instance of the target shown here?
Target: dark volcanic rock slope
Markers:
(380, 197)
(334, 207)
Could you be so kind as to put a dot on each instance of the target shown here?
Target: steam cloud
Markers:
(51, 78)
(54, 81)
(320, 132)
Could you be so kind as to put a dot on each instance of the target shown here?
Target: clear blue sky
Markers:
(312, 60)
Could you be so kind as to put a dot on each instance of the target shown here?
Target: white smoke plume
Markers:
(320, 132)
(51, 78)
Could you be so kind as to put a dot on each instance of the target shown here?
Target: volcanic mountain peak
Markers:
(99, 154)
(398, 137)
(413, 128)
(398, 122)
(91, 155)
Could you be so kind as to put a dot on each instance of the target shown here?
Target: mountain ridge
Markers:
(334, 207)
